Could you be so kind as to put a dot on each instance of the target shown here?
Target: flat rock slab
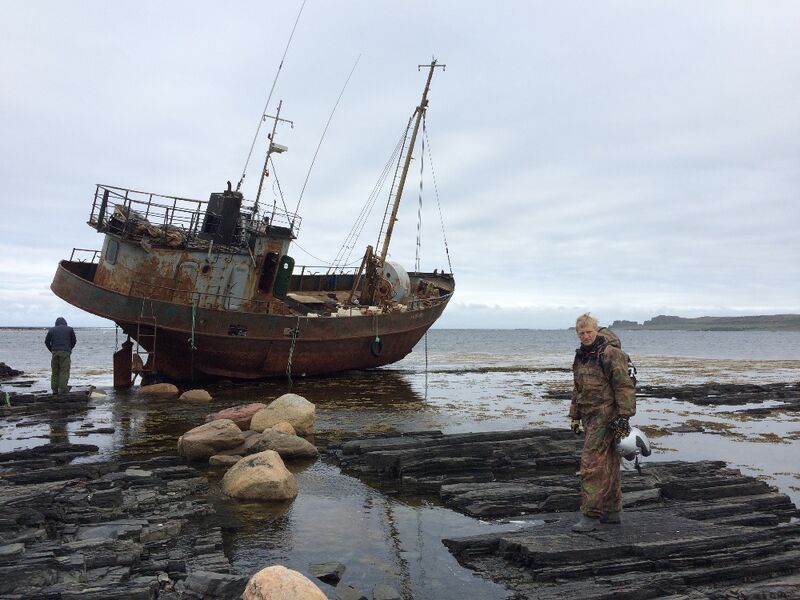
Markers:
(652, 553)
(786, 396)
(685, 525)
(14, 403)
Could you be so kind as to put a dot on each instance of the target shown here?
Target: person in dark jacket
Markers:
(603, 399)
(60, 340)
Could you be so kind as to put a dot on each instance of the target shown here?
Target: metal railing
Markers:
(95, 255)
(126, 212)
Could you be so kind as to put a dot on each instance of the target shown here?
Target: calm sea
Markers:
(769, 353)
(454, 381)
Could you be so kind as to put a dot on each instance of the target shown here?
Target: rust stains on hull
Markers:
(246, 345)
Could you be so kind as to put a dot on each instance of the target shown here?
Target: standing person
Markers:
(603, 400)
(60, 340)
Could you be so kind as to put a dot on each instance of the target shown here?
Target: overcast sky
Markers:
(629, 158)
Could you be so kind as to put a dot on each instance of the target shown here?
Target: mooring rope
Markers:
(426, 365)
(191, 339)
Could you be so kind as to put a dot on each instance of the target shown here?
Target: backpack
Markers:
(612, 339)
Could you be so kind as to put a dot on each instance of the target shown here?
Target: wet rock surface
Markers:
(21, 403)
(7, 372)
(114, 529)
(103, 530)
(785, 395)
(686, 526)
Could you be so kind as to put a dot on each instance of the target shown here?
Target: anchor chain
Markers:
(294, 332)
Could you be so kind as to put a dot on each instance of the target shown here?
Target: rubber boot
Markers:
(586, 524)
(611, 518)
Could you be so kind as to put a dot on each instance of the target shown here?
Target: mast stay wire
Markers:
(419, 205)
(385, 221)
(323, 262)
(322, 137)
(269, 97)
(280, 189)
(436, 190)
(346, 250)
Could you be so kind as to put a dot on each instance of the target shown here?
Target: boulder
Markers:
(205, 584)
(279, 583)
(295, 409)
(348, 592)
(209, 439)
(224, 460)
(288, 446)
(195, 396)
(240, 415)
(261, 476)
(329, 572)
(158, 389)
(284, 427)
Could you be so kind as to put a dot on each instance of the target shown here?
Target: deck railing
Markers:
(125, 211)
(86, 255)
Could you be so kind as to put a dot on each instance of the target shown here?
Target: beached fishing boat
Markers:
(208, 289)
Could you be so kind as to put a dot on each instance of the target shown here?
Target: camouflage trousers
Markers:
(601, 489)
(60, 363)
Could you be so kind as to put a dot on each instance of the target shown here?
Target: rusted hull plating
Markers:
(247, 345)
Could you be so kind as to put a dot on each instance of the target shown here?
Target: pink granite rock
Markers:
(241, 415)
(279, 583)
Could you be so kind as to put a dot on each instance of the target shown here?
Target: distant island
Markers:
(757, 322)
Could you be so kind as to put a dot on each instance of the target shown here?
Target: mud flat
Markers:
(101, 530)
(688, 528)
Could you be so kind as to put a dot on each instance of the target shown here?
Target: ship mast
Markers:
(372, 265)
(272, 148)
(420, 112)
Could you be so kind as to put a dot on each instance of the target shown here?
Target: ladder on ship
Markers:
(145, 323)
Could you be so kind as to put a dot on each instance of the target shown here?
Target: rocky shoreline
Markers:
(687, 528)
(77, 526)
(140, 529)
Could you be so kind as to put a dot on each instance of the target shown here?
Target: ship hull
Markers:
(242, 345)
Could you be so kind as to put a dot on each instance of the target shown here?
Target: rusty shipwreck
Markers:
(208, 289)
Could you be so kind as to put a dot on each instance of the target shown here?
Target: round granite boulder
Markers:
(298, 411)
(261, 476)
(241, 415)
(279, 583)
(288, 446)
(195, 396)
(158, 389)
(209, 439)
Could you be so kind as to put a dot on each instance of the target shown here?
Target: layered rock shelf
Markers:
(686, 526)
(97, 530)
(786, 396)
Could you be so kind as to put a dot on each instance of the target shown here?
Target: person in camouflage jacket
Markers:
(603, 399)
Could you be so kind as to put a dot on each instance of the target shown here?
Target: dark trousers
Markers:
(60, 363)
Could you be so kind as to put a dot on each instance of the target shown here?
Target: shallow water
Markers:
(474, 381)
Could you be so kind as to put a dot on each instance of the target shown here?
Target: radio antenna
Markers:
(269, 97)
